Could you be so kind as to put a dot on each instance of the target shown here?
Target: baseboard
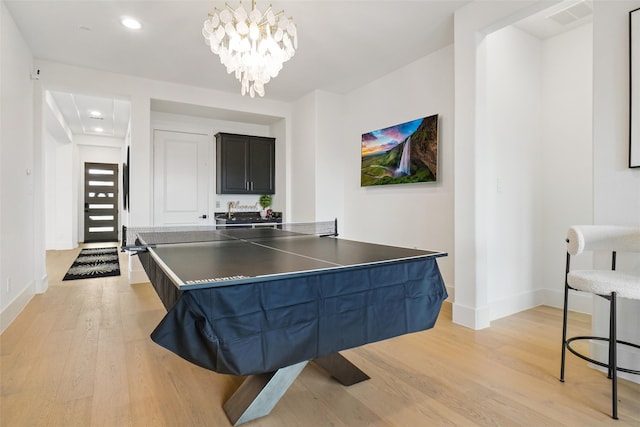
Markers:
(474, 318)
(582, 302)
(515, 304)
(13, 309)
(481, 318)
(42, 285)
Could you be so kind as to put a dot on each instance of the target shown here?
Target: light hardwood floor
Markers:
(80, 355)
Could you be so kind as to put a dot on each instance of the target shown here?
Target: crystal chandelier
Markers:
(252, 45)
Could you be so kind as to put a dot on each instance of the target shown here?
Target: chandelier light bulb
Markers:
(252, 45)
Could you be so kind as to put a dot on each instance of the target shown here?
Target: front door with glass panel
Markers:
(100, 202)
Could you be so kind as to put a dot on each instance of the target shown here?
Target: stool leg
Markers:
(613, 357)
(564, 320)
(564, 334)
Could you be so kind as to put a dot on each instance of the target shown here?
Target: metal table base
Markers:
(260, 393)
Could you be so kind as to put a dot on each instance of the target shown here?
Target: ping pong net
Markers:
(138, 239)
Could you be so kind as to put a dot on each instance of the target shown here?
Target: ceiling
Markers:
(92, 115)
(558, 18)
(342, 44)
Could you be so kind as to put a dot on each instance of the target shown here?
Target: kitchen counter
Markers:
(245, 218)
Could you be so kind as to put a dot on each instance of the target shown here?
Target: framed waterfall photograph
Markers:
(401, 154)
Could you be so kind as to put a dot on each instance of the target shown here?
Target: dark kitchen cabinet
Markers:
(245, 164)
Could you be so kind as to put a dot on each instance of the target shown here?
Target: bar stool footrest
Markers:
(597, 362)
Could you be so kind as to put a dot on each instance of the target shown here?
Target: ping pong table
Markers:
(265, 301)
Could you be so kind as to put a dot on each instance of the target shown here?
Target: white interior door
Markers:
(181, 171)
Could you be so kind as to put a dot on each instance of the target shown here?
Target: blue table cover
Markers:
(261, 327)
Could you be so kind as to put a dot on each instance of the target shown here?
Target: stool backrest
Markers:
(602, 237)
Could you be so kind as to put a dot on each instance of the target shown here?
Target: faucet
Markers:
(229, 206)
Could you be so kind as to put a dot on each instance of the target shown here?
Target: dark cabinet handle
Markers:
(204, 216)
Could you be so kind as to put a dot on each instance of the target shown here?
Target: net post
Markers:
(124, 238)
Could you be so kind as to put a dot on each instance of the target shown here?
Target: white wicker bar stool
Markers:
(608, 284)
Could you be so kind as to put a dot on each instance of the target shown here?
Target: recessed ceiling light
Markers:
(98, 129)
(95, 113)
(131, 23)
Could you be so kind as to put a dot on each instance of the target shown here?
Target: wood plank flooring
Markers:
(80, 355)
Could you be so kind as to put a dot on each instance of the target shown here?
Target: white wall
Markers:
(567, 155)
(303, 156)
(473, 306)
(511, 169)
(616, 188)
(536, 169)
(63, 205)
(318, 158)
(330, 159)
(281, 202)
(413, 215)
(20, 260)
(49, 148)
(58, 155)
(471, 24)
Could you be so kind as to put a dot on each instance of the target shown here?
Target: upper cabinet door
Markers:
(245, 164)
(232, 156)
(262, 165)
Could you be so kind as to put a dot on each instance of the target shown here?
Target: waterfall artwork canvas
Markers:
(400, 154)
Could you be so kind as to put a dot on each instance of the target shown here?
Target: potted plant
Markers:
(265, 202)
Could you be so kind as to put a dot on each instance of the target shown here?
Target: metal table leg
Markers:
(343, 371)
(259, 394)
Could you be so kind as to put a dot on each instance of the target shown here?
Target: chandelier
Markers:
(252, 45)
